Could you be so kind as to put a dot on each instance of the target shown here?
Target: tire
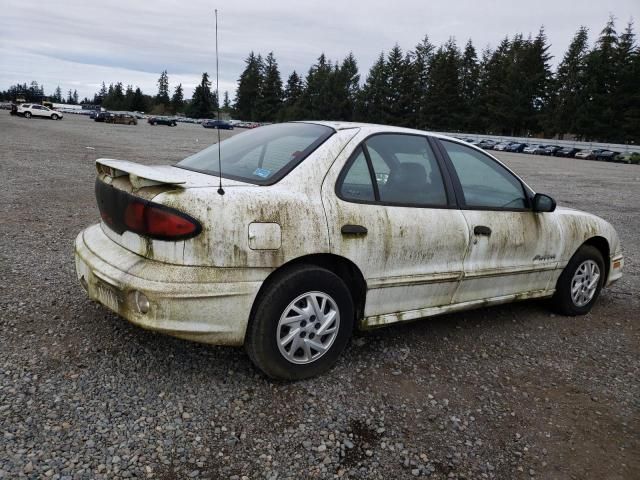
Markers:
(291, 289)
(54, 117)
(586, 259)
(131, 123)
(27, 114)
(153, 123)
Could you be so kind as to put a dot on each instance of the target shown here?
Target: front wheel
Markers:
(300, 324)
(27, 114)
(580, 283)
(54, 117)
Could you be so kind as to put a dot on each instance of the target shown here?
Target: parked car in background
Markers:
(101, 116)
(171, 122)
(502, 146)
(219, 124)
(516, 147)
(567, 152)
(588, 154)
(122, 118)
(487, 144)
(534, 149)
(551, 150)
(628, 157)
(607, 156)
(29, 110)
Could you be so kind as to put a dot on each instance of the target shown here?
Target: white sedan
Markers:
(320, 228)
(29, 110)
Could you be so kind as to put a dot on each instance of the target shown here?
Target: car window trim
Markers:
(457, 185)
(450, 204)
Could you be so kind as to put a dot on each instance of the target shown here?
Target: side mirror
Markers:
(543, 203)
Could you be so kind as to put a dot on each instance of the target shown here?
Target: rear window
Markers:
(263, 155)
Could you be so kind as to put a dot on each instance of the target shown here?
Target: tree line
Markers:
(593, 94)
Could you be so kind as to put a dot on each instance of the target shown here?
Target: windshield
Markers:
(263, 155)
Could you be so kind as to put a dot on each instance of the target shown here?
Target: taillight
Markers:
(122, 212)
(157, 221)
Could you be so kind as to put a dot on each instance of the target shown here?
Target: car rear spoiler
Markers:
(139, 175)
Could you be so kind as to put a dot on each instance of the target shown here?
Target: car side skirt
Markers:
(389, 318)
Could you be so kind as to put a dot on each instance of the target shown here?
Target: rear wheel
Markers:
(580, 283)
(300, 324)
(27, 114)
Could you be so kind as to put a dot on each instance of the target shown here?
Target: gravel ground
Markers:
(508, 392)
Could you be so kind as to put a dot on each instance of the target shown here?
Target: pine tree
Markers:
(596, 117)
(226, 103)
(346, 87)
(57, 96)
(626, 93)
(570, 83)
(443, 101)
(177, 101)
(469, 88)
(163, 91)
(293, 92)
(70, 96)
(374, 94)
(138, 102)
(249, 87)
(317, 94)
(204, 103)
(270, 99)
(422, 60)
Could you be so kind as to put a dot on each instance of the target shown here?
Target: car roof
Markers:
(375, 128)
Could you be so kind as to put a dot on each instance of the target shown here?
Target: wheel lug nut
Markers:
(303, 334)
(311, 335)
(317, 325)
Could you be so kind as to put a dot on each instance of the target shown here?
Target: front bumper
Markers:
(204, 304)
(615, 270)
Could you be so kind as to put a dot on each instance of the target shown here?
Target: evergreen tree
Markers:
(469, 88)
(249, 87)
(70, 96)
(270, 99)
(292, 97)
(177, 101)
(226, 103)
(316, 99)
(204, 103)
(596, 117)
(443, 100)
(138, 102)
(346, 87)
(75, 97)
(163, 91)
(421, 63)
(57, 95)
(570, 83)
(626, 94)
(128, 98)
(374, 94)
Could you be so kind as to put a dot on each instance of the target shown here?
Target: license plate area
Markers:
(107, 295)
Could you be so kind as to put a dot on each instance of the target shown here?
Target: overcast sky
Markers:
(78, 44)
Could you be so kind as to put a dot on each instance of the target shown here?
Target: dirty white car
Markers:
(321, 228)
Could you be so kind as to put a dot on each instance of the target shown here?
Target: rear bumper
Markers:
(204, 304)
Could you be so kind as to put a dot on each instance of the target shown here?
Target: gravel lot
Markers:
(508, 392)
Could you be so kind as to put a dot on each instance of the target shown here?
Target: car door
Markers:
(513, 250)
(37, 111)
(389, 211)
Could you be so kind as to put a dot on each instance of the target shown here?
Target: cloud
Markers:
(79, 44)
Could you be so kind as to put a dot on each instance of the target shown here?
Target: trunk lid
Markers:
(120, 181)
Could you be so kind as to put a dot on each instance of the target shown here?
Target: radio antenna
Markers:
(220, 189)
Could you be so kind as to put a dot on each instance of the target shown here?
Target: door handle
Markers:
(481, 230)
(353, 230)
